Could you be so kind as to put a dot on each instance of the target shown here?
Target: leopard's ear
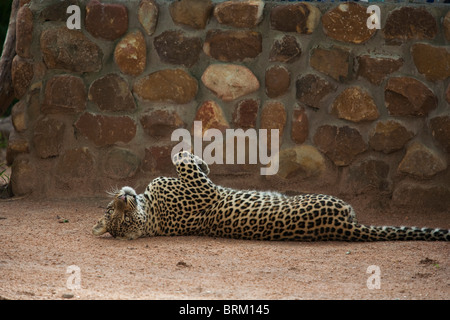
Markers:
(202, 165)
(100, 227)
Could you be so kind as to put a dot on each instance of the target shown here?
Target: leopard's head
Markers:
(121, 218)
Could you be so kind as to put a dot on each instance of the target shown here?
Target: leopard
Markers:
(192, 205)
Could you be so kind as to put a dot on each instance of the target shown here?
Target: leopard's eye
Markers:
(109, 210)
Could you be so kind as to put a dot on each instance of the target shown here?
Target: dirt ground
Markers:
(42, 240)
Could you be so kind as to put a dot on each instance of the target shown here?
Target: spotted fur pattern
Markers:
(192, 205)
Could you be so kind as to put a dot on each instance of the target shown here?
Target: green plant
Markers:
(5, 186)
(4, 178)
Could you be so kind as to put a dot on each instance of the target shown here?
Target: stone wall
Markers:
(360, 111)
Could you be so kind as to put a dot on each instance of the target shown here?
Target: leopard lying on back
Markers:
(193, 205)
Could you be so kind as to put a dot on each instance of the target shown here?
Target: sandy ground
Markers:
(41, 241)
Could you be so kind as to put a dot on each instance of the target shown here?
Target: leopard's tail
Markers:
(386, 233)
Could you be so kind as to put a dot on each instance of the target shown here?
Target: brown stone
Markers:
(23, 177)
(421, 162)
(70, 50)
(419, 195)
(21, 73)
(19, 116)
(130, 53)
(299, 126)
(348, 23)
(161, 123)
(192, 13)
(355, 104)
(24, 32)
(155, 159)
(16, 144)
(273, 116)
(48, 137)
(148, 13)
(167, 86)
(112, 93)
(229, 81)
(64, 94)
(300, 17)
(75, 165)
(242, 14)
(340, 144)
(176, 47)
(312, 89)
(277, 81)
(389, 136)
(369, 174)
(433, 62)
(410, 23)
(57, 11)
(211, 115)
(301, 162)
(106, 130)
(245, 113)
(334, 62)
(285, 50)
(23, 2)
(106, 21)
(408, 96)
(446, 26)
(232, 45)
(34, 105)
(120, 163)
(440, 129)
(375, 69)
